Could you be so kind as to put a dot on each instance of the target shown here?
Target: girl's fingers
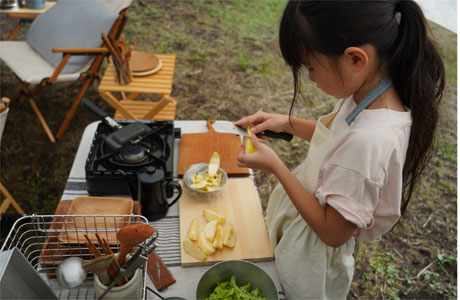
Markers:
(255, 141)
(240, 156)
(256, 118)
(241, 151)
(240, 122)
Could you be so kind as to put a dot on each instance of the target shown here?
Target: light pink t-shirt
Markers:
(361, 176)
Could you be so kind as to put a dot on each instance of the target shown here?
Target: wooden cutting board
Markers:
(198, 148)
(239, 203)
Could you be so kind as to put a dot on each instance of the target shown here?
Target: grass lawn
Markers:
(229, 65)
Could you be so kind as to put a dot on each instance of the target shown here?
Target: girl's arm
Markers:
(330, 226)
(301, 128)
(326, 222)
(276, 122)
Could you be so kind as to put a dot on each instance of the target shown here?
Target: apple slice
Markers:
(193, 230)
(218, 238)
(230, 236)
(214, 163)
(210, 215)
(205, 245)
(210, 230)
(193, 249)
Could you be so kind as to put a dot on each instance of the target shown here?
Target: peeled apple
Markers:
(214, 163)
(248, 144)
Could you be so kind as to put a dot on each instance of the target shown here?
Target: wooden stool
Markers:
(159, 83)
(162, 110)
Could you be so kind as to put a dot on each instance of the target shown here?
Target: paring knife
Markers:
(229, 127)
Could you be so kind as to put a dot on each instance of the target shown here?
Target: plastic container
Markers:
(201, 169)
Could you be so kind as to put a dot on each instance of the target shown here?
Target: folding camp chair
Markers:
(64, 44)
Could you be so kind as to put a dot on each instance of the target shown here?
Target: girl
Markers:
(366, 155)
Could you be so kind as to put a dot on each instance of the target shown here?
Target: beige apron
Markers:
(308, 268)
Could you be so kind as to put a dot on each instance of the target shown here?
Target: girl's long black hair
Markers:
(399, 32)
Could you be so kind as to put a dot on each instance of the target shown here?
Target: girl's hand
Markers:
(262, 121)
(263, 159)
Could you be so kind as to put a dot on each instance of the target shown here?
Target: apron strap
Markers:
(370, 97)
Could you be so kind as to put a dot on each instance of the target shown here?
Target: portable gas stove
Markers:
(111, 170)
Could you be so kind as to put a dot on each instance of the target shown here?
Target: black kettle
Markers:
(152, 192)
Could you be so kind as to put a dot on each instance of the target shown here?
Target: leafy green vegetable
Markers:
(228, 290)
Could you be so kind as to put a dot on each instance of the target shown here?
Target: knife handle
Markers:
(165, 279)
(278, 135)
(93, 108)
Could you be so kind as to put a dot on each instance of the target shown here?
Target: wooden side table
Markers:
(25, 15)
(159, 83)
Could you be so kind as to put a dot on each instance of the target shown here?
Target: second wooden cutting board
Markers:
(239, 203)
(199, 147)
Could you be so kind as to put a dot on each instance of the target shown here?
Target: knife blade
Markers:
(229, 127)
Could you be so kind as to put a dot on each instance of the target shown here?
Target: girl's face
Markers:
(328, 76)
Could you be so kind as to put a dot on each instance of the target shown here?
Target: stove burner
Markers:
(108, 171)
(133, 154)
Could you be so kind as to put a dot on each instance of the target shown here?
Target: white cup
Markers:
(130, 290)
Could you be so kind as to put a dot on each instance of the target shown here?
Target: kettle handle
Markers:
(177, 186)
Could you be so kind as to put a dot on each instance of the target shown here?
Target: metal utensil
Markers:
(136, 261)
(229, 127)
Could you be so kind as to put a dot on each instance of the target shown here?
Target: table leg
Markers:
(133, 96)
(9, 200)
(14, 32)
(154, 111)
(109, 98)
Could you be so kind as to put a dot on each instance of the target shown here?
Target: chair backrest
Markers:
(115, 6)
(73, 24)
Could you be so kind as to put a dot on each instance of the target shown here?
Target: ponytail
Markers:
(418, 76)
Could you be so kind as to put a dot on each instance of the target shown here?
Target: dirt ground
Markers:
(228, 65)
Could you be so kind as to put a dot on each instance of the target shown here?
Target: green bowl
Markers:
(244, 272)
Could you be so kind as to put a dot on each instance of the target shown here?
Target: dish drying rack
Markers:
(46, 240)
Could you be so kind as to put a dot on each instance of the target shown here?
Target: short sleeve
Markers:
(363, 186)
(350, 193)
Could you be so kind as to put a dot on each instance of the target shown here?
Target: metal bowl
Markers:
(244, 272)
(201, 169)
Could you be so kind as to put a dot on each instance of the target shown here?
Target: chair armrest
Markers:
(68, 52)
(81, 51)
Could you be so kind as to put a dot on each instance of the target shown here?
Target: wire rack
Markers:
(46, 240)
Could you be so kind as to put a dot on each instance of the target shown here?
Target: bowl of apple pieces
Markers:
(205, 181)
